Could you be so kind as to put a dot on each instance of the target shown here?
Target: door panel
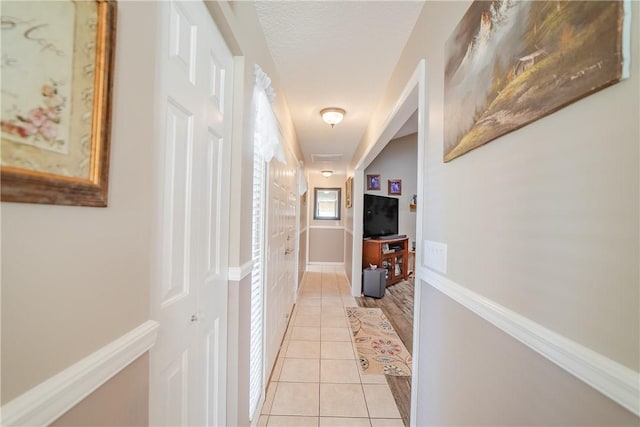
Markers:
(291, 232)
(182, 41)
(178, 143)
(212, 386)
(175, 377)
(279, 293)
(188, 363)
(216, 159)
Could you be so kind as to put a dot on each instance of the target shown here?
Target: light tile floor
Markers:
(316, 380)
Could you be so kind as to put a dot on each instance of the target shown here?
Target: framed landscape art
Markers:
(509, 63)
(56, 101)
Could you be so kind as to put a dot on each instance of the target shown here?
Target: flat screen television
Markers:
(380, 216)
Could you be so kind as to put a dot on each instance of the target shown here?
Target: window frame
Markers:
(316, 213)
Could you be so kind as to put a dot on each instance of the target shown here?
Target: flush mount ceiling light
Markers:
(332, 116)
(327, 174)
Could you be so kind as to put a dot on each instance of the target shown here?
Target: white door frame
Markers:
(412, 98)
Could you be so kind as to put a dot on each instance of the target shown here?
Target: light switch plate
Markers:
(435, 255)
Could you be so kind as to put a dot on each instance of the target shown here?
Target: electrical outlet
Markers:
(435, 255)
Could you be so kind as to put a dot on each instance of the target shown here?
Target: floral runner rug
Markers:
(380, 350)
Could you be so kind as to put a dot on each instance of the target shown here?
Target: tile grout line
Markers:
(326, 293)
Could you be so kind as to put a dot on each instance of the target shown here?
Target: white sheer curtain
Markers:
(266, 130)
(302, 182)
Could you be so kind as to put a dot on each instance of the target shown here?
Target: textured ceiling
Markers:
(334, 54)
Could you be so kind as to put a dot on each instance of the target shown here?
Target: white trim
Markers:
(419, 79)
(626, 40)
(236, 274)
(329, 264)
(356, 248)
(299, 290)
(47, 401)
(413, 97)
(617, 382)
(316, 267)
(302, 230)
(334, 227)
(348, 231)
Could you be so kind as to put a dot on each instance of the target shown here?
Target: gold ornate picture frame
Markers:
(348, 191)
(56, 101)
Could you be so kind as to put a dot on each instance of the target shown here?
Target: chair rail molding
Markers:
(616, 381)
(326, 227)
(236, 274)
(47, 401)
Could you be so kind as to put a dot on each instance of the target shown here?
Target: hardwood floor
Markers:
(397, 305)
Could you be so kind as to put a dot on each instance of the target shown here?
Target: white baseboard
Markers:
(316, 267)
(236, 274)
(617, 382)
(46, 402)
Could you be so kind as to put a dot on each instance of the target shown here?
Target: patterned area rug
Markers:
(380, 350)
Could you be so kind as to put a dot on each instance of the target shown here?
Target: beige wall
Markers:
(348, 254)
(326, 244)
(398, 160)
(545, 221)
(318, 181)
(239, 327)
(76, 278)
(122, 401)
(475, 374)
(302, 255)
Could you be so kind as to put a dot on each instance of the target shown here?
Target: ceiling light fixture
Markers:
(332, 116)
(327, 174)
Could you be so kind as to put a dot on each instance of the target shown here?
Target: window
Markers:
(256, 384)
(326, 203)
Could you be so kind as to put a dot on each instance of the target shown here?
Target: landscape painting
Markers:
(511, 62)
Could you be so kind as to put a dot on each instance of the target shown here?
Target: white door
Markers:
(279, 293)
(188, 363)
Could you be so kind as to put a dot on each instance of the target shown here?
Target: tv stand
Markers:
(390, 253)
(389, 237)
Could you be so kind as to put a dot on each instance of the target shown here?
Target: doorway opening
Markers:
(410, 103)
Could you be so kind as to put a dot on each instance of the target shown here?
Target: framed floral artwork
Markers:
(395, 187)
(348, 190)
(373, 182)
(55, 112)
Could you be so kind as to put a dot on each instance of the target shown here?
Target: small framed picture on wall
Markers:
(395, 187)
(373, 182)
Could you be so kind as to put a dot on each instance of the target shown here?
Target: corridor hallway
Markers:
(316, 380)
